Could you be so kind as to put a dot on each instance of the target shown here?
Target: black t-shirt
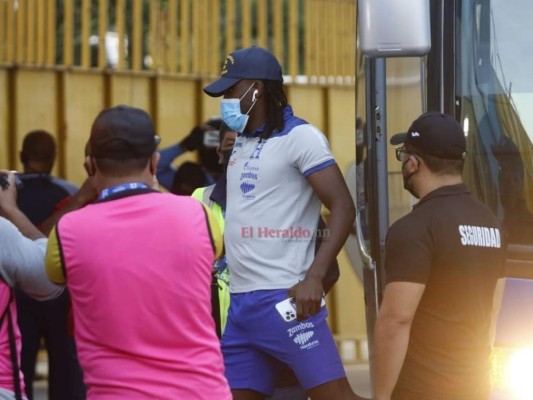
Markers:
(38, 199)
(40, 195)
(452, 243)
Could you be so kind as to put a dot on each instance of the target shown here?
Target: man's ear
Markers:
(154, 160)
(411, 164)
(89, 165)
(415, 163)
(260, 87)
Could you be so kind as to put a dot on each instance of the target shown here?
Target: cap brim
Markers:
(218, 87)
(399, 138)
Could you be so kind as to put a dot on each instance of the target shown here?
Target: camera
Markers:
(211, 138)
(5, 184)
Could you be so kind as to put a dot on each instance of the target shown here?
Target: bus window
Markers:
(494, 92)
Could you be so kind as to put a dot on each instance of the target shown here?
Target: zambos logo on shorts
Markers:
(300, 327)
(303, 338)
(303, 334)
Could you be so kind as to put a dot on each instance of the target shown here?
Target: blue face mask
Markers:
(230, 110)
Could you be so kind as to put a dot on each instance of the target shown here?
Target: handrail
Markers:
(365, 256)
(368, 261)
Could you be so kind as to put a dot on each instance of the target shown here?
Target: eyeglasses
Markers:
(399, 150)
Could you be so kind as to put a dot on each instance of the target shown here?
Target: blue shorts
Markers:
(256, 335)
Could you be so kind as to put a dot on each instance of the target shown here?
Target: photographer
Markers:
(203, 138)
(22, 251)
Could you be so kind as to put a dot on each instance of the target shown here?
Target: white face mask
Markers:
(230, 110)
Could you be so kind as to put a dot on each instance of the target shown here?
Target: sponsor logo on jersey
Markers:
(480, 236)
(247, 187)
(248, 167)
(248, 175)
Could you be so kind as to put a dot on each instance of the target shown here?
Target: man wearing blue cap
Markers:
(442, 263)
(280, 171)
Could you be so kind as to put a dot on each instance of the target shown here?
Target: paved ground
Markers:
(357, 375)
(40, 390)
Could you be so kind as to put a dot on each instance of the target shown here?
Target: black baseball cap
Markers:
(435, 134)
(122, 133)
(249, 63)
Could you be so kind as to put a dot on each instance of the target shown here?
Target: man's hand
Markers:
(8, 194)
(10, 210)
(86, 194)
(308, 295)
(195, 139)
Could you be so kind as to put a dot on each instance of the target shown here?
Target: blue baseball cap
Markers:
(249, 63)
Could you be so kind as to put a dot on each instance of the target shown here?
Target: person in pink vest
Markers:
(138, 264)
(22, 251)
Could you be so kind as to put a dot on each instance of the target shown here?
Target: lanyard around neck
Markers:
(110, 191)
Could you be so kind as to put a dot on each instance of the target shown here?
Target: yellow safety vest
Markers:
(202, 194)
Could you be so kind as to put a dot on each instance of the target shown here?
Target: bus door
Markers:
(386, 29)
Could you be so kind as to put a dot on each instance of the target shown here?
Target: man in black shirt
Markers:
(443, 261)
(37, 200)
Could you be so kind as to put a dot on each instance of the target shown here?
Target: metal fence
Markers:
(314, 39)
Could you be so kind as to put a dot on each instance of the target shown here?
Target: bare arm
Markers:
(9, 209)
(22, 248)
(85, 195)
(391, 335)
(330, 187)
(22, 263)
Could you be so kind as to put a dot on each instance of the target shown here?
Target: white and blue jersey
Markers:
(272, 211)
